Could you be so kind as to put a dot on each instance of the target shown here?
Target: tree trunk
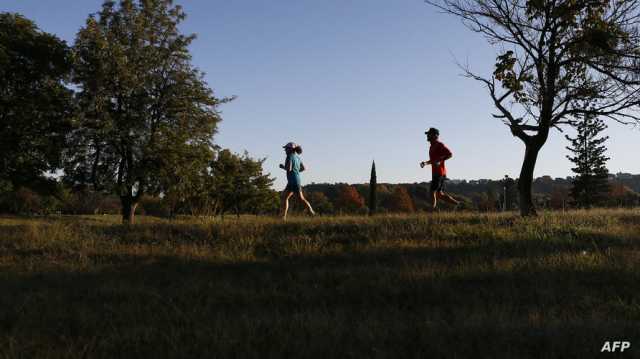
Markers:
(128, 209)
(525, 183)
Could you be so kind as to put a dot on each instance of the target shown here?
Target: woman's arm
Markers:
(302, 167)
(287, 165)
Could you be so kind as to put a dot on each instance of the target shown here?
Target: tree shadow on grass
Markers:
(411, 302)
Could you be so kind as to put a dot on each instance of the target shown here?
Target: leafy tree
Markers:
(493, 202)
(555, 56)
(155, 206)
(146, 110)
(383, 192)
(373, 186)
(239, 185)
(400, 201)
(480, 201)
(21, 201)
(621, 195)
(349, 200)
(591, 184)
(559, 198)
(35, 105)
(320, 201)
(192, 193)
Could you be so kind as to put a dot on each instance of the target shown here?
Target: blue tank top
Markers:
(293, 176)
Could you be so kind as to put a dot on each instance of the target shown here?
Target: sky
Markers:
(352, 81)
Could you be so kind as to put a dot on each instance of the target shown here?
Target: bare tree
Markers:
(558, 60)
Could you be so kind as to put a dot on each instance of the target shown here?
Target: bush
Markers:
(89, 202)
(154, 206)
(22, 201)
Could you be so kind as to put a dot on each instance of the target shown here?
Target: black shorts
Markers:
(437, 183)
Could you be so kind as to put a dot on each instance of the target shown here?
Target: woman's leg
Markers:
(306, 203)
(285, 203)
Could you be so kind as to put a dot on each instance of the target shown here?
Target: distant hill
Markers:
(481, 194)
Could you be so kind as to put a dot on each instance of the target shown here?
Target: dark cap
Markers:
(433, 131)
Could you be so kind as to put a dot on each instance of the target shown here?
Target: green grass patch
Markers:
(450, 285)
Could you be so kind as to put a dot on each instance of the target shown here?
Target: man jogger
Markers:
(438, 154)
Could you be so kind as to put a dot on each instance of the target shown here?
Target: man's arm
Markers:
(445, 153)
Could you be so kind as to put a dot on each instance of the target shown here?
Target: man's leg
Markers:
(447, 198)
(436, 187)
(434, 199)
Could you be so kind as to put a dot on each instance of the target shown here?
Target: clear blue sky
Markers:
(352, 81)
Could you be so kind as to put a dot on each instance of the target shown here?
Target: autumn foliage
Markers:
(349, 200)
(400, 201)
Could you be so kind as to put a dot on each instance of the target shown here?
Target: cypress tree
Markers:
(590, 186)
(373, 183)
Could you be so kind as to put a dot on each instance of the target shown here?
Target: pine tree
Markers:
(590, 186)
(373, 184)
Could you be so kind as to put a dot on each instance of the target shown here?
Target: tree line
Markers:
(123, 113)
(483, 195)
(120, 114)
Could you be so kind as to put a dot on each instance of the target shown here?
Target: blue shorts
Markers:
(293, 187)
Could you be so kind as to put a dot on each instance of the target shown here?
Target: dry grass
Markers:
(428, 286)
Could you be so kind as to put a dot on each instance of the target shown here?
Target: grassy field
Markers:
(428, 286)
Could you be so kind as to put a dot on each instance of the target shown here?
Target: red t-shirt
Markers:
(437, 153)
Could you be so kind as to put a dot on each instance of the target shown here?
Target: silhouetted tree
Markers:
(591, 184)
(555, 55)
(510, 192)
(36, 107)
(146, 110)
(373, 186)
